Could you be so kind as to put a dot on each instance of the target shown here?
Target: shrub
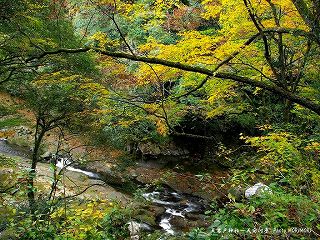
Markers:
(277, 214)
(76, 221)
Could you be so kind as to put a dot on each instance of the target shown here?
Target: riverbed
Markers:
(181, 210)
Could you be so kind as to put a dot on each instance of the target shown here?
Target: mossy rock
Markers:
(6, 161)
(146, 218)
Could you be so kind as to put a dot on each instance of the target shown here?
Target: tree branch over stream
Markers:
(196, 69)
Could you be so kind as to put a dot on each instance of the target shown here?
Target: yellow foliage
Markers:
(212, 9)
(100, 37)
(220, 90)
(162, 127)
(95, 88)
(103, 40)
(111, 2)
(79, 220)
(151, 108)
(313, 147)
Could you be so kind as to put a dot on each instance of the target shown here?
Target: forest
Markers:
(159, 120)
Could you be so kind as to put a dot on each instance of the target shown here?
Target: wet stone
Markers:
(178, 208)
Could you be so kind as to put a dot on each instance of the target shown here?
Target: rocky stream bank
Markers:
(167, 200)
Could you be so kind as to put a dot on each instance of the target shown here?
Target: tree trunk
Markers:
(287, 109)
(32, 173)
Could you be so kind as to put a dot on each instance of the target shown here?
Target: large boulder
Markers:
(135, 228)
(46, 157)
(185, 224)
(149, 149)
(256, 190)
(148, 214)
(195, 216)
(180, 182)
(105, 172)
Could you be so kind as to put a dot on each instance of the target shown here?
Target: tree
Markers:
(57, 100)
(177, 68)
(270, 47)
(310, 13)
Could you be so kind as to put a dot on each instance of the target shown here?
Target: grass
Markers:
(12, 122)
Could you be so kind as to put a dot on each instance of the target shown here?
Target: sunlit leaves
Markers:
(212, 8)
(281, 155)
(162, 127)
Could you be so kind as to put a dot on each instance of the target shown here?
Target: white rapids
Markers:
(66, 163)
(175, 204)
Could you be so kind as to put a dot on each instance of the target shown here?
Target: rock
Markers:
(145, 217)
(256, 189)
(111, 177)
(131, 148)
(180, 222)
(23, 131)
(133, 176)
(135, 228)
(200, 224)
(186, 224)
(107, 175)
(149, 149)
(179, 182)
(156, 210)
(183, 202)
(46, 156)
(148, 214)
(195, 217)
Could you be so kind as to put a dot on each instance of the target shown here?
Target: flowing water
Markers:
(67, 164)
(13, 150)
(175, 204)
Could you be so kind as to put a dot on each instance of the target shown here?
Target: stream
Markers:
(67, 164)
(176, 205)
(13, 150)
